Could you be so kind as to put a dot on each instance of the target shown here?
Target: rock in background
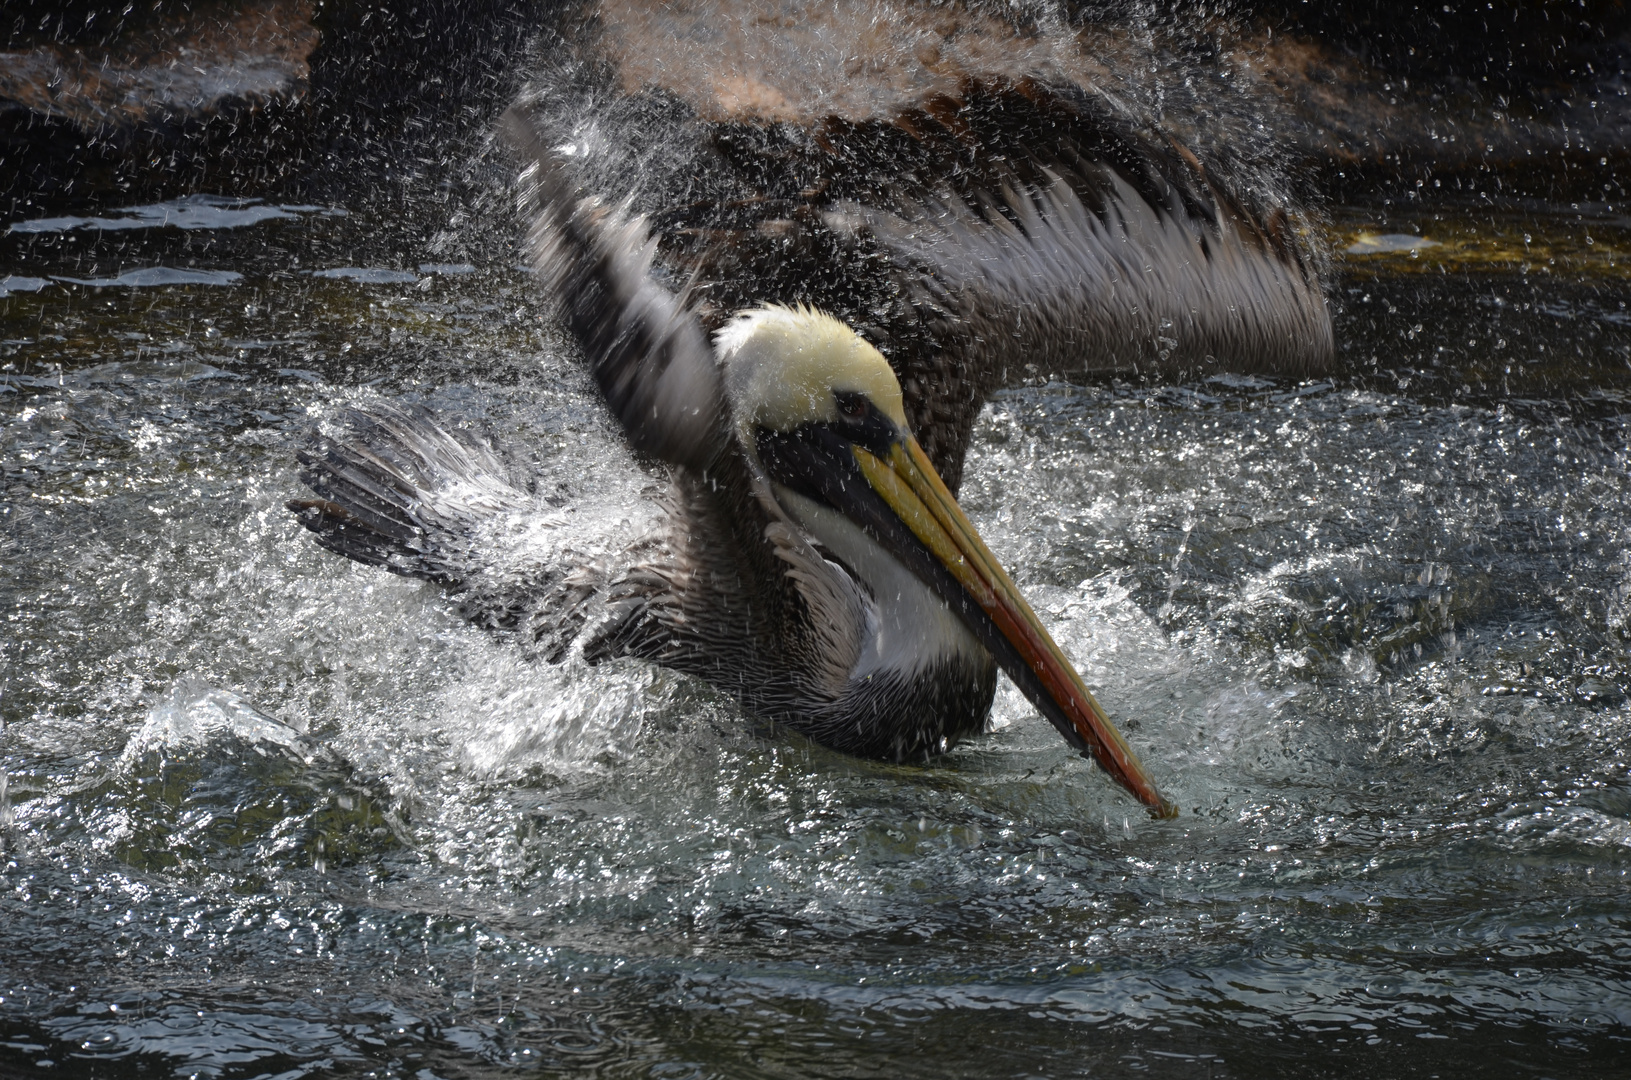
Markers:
(160, 98)
(170, 99)
(107, 102)
(1524, 97)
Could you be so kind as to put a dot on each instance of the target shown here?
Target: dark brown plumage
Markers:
(782, 572)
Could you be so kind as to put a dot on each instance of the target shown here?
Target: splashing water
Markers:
(274, 813)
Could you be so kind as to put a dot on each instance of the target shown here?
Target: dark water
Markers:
(266, 813)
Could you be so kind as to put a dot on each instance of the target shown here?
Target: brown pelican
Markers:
(811, 561)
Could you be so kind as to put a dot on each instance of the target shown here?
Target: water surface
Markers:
(266, 813)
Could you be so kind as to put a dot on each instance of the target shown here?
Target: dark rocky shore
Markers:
(106, 101)
(164, 98)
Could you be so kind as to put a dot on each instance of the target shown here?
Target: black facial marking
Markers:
(810, 459)
(863, 423)
(814, 458)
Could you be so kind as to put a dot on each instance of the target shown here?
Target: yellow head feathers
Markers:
(782, 366)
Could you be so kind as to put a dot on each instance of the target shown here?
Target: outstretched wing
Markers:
(1149, 279)
(398, 491)
(1042, 280)
(646, 350)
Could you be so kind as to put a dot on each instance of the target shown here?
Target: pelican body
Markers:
(812, 563)
(811, 560)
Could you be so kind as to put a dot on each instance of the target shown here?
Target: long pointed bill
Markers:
(909, 484)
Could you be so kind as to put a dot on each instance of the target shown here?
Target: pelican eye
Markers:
(861, 423)
(851, 405)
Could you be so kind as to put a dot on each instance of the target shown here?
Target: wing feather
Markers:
(646, 350)
(1042, 280)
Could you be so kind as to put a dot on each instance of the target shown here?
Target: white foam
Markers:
(189, 212)
(196, 714)
(150, 276)
(369, 275)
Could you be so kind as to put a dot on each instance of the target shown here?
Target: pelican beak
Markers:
(907, 482)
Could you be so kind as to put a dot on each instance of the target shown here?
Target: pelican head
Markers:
(819, 411)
